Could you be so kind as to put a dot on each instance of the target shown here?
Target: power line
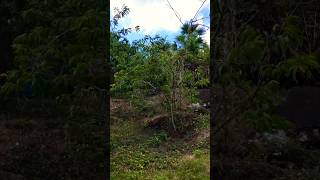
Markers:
(175, 12)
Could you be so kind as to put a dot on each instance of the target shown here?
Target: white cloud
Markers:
(207, 37)
(155, 15)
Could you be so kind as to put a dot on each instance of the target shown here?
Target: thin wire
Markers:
(175, 12)
(198, 11)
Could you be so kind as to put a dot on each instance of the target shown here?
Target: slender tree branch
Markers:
(246, 105)
(201, 19)
(204, 26)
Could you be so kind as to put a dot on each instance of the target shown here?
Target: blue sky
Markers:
(156, 16)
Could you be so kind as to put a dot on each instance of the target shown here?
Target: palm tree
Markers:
(190, 38)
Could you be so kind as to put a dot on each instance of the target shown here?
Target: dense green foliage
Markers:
(254, 60)
(53, 81)
(262, 50)
(58, 52)
(152, 66)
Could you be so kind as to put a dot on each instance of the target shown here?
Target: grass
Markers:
(139, 153)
